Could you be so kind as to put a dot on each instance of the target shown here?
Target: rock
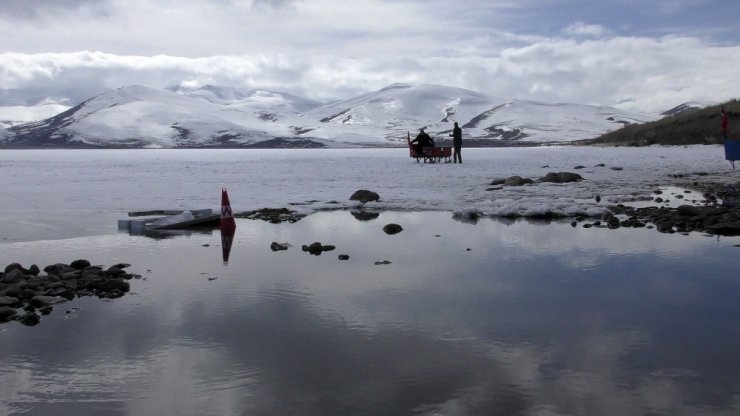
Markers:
(496, 182)
(597, 198)
(8, 301)
(275, 246)
(112, 285)
(41, 301)
(317, 248)
(343, 257)
(15, 266)
(579, 167)
(391, 229)
(80, 264)
(688, 210)
(561, 177)
(14, 276)
(271, 215)
(517, 181)
(379, 263)
(364, 196)
(726, 228)
(664, 227)
(612, 222)
(57, 269)
(34, 270)
(7, 313)
(30, 319)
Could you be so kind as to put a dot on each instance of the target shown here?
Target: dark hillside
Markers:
(696, 126)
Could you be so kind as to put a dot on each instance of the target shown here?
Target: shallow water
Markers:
(511, 318)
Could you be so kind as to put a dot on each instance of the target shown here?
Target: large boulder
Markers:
(364, 196)
(561, 177)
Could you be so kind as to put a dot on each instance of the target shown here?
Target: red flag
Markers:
(724, 120)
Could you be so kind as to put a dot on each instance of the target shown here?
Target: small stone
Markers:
(275, 246)
(343, 257)
(391, 229)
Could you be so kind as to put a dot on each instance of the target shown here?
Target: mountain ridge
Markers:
(212, 116)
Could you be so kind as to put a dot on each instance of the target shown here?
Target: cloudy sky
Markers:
(645, 55)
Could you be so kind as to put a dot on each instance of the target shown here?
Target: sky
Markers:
(639, 55)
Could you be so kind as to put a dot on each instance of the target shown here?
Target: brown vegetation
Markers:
(696, 126)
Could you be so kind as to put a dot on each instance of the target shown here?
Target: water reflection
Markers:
(530, 320)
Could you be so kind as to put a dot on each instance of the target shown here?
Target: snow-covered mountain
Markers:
(387, 115)
(25, 105)
(138, 116)
(689, 105)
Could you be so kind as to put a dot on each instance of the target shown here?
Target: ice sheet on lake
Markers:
(311, 180)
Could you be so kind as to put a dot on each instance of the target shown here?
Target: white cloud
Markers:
(632, 73)
(582, 29)
(325, 49)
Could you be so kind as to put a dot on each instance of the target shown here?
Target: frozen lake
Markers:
(67, 193)
(514, 317)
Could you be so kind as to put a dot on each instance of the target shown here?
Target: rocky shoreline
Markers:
(707, 215)
(35, 292)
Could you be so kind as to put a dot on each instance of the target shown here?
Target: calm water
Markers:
(509, 318)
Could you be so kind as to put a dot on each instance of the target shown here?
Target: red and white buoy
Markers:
(227, 218)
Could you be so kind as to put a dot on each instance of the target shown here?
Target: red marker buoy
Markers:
(227, 218)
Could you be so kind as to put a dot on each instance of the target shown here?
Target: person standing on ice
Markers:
(725, 128)
(456, 143)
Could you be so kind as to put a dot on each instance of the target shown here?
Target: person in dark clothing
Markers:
(456, 143)
(421, 141)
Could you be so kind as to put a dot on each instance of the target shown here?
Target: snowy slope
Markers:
(139, 116)
(392, 111)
